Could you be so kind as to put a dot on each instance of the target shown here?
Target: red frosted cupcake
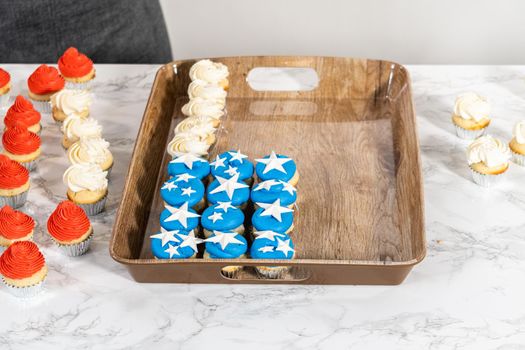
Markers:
(76, 68)
(70, 228)
(23, 112)
(14, 182)
(15, 226)
(21, 145)
(23, 269)
(5, 88)
(43, 83)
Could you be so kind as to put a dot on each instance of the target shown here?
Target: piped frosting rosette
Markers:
(211, 72)
(75, 127)
(91, 150)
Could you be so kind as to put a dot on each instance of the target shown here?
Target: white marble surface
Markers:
(467, 294)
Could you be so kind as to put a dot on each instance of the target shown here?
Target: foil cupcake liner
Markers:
(94, 208)
(469, 134)
(14, 201)
(271, 272)
(29, 165)
(25, 292)
(486, 180)
(4, 101)
(76, 249)
(88, 85)
(231, 273)
(518, 158)
(42, 106)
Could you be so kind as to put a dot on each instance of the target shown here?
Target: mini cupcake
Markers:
(222, 217)
(277, 167)
(181, 218)
(89, 150)
(211, 72)
(200, 107)
(5, 88)
(23, 268)
(200, 122)
(188, 143)
(517, 144)
(488, 159)
(15, 226)
(189, 164)
(43, 83)
(87, 186)
(70, 101)
(14, 182)
(75, 127)
(226, 245)
(204, 132)
(178, 245)
(272, 245)
(228, 190)
(22, 145)
(273, 217)
(271, 190)
(184, 188)
(77, 69)
(70, 229)
(229, 163)
(471, 115)
(23, 112)
(207, 91)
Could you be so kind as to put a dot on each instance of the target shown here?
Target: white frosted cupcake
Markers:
(488, 159)
(200, 107)
(188, 143)
(517, 144)
(75, 127)
(471, 115)
(68, 101)
(91, 150)
(207, 91)
(87, 186)
(200, 125)
(211, 72)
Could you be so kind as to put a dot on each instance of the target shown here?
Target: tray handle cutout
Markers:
(294, 274)
(281, 79)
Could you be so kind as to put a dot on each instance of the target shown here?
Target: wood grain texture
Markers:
(359, 215)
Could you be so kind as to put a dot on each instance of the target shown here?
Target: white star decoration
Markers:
(266, 249)
(228, 185)
(184, 177)
(288, 188)
(274, 162)
(237, 156)
(188, 159)
(218, 162)
(172, 250)
(215, 216)
(188, 191)
(231, 170)
(168, 185)
(181, 214)
(265, 185)
(224, 206)
(284, 246)
(190, 240)
(223, 238)
(268, 235)
(166, 236)
(274, 209)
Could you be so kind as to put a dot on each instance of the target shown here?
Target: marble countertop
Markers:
(468, 293)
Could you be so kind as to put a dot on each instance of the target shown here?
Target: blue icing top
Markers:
(268, 222)
(189, 164)
(275, 166)
(226, 245)
(182, 218)
(229, 163)
(226, 217)
(181, 189)
(270, 190)
(219, 189)
(171, 249)
(278, 247)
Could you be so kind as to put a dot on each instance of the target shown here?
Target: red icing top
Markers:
(21, 111)
(12, 174)
(68, 222)
(15, 224)
(18, 140)
(45, 80)
(5, 78)
(74, 64)
(21, 260)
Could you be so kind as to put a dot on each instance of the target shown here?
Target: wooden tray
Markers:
(360, 201)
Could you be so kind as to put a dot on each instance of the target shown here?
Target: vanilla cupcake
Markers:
(68, 101)
(471, 115)
(207, 91)
(488, 159)
(75, 127)
(87, 186)
(188, 143)
(91, 150)
(201, 126)
(200, 107)
(211, 72)
(517, 144)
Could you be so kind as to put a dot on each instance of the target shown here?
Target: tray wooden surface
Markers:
(359, 214)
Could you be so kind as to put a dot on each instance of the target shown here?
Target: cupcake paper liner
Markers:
(79, 86)
(94, 208)
(518, 158)
(4, 101)
(42, 106)
(232, 273)
(25, 292)
(271, 272)
(76, 249)
(29, 165)
(14, 201)
(469, 134)
(486, 180)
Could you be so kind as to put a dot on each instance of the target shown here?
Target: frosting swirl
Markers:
(201, 107)
(21, 260)
(74, 64)
(187, 143)
(207, 91)
(75, 127)
(14, 224)
(5, 78)
(89, 150)
(72, 101)
(45, 80)
(18, 140)
(519, 132)
(83, 176)
(68, 222)
(471, 106)
(212, 72)
(489, 150)
(22, 111)
(202, 126)
(12, 174)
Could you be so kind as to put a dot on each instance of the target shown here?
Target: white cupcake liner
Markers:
(30, 166)
(76, 249)
(42, 106)
(88, 85)
(14, 201)
(25, 292)
(486, 180)
(469, 134)
(4, 101)
(518, 158)
(94, 208)
(271, 272)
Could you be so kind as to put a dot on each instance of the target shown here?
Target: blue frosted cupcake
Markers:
(182, 218)
(229, 163)
(270, 190)
(272, 245)
(174, 244)
(223, 217)
(226, 245)
(228, 190)
(273, 217)
(277, 167)
(189, 164)
(184, 188)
